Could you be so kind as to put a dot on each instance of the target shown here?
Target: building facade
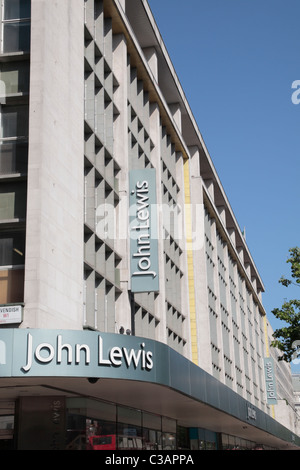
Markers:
(296, 393)
(131, 309)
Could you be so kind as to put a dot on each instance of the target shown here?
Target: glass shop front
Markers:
(94, 425)
(56, 423)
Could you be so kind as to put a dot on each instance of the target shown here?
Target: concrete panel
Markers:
(54, 239)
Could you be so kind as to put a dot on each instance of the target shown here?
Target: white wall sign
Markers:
(10, 314)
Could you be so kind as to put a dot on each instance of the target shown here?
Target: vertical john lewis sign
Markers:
(143, 231)
(270, 381)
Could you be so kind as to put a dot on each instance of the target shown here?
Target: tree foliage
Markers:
(287, 338)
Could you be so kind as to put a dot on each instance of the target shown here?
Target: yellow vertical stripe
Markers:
(190, 261)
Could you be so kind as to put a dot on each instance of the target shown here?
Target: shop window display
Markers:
(127, 430)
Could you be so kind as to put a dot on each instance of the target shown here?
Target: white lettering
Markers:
(149, 363)
(173, 459)
(115, 460)
(144, 264)
(116, 356)
(41, 358)
(141, 227)
(102, 361)
(131, 356)
(29, 354)
(143, 238)
(251, 413)
(143, 215)
(44, 353)
(147, 273)
(142, 184)
(296, 94)
(79, 347)
(60, 347)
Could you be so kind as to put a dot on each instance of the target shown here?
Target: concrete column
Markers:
(248, 269)
(176, 113)
(230, 324)
(160, 306)
(231, 233)
(240, 251)
(210, 187)
(54, 235)
(199, 258)
(122, 243)
(151, 57)
(222, 213)
(217, 294)
(186, 262)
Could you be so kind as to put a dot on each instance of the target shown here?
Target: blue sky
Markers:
(245, 58)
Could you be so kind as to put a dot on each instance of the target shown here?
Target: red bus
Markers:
(113, 442)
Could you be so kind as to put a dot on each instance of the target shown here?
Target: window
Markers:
(12, 248)
(101, 426)
(13, 157)
(16, 36)
(12, 201)
(15, 9)
(15, 77)
(16, 26)
(14, 121)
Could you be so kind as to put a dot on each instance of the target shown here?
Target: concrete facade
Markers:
(104, 99)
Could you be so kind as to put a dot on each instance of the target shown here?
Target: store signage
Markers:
(251, 413)
(270, 381)
(45, 353)
(10, 314)
(143, 231)
(29, 352)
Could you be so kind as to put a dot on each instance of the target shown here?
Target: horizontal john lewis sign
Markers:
(73, 353)
(45, 353)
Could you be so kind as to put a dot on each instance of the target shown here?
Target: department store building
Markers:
(131, 314)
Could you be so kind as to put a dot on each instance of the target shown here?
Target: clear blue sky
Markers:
(236, 61)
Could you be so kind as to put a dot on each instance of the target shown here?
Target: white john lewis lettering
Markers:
(144, 229)
(46, 353)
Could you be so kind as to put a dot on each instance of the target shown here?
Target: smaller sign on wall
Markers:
(270, 381)
(10, 314)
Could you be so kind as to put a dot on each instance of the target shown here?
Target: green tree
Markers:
(287, 338)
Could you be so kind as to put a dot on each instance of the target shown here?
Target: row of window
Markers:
(227, 320)
(101, 273)
(14, 90)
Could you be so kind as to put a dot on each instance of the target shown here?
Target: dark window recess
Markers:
(12, 249)
(13, 158)
(15, 9)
